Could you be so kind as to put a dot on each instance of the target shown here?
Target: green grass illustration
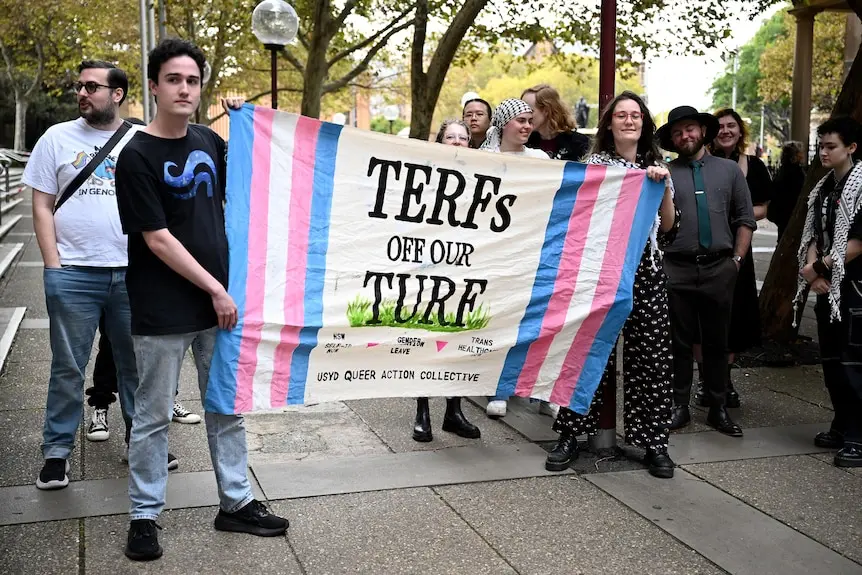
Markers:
(359, 314)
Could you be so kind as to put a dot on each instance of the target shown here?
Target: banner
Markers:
(365, 265)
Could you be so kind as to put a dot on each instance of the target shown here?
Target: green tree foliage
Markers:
(763, 76)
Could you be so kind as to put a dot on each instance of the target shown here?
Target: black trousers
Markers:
(104, 390)
(701, 299)
(841, 356)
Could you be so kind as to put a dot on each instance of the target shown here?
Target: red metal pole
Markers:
(606, 439)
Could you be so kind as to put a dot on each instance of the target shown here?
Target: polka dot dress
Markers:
(647, 367)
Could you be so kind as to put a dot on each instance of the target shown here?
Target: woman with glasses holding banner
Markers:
(626, 138)
(451, 133)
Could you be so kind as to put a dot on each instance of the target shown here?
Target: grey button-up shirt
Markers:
(728, 198)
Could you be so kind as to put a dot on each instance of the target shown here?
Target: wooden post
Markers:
(800, 112)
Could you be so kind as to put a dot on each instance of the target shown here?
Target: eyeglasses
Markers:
(453, 137)
(91, 87)
(635, 116)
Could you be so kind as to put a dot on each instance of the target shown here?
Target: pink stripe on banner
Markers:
(258, 209)
(606, 290)
(567, 278)
(299, 222)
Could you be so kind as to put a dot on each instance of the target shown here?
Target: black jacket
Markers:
(570, 146)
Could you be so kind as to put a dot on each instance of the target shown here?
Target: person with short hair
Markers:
(171, 194)
(554, 129)
(85, 257)
(831, 268)
(477, 115)
(703, 260)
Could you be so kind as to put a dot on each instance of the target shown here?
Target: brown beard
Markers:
(96, 116)
(696, 147)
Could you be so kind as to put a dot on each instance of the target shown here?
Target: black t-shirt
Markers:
(178, 184)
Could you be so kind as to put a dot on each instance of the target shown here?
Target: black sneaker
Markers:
(53, 474)
(254, 518)
(143, 541)
(173, 462)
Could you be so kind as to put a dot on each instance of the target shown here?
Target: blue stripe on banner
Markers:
(221, 391)
(318, 244)
(606, 337)
(546, 277)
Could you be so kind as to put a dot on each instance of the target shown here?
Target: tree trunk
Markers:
(21, 104)
(779, 288)
(425, 86)
(316, 68)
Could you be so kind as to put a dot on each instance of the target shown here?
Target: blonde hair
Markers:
(548, 101)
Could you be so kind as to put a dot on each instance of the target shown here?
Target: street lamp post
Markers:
(391, 113)
(275, 24)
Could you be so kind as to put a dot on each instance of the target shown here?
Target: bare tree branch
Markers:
(370, 40)
(342, 16)
(363, 65)
(294, 61)
(451, 40)
(40, 68)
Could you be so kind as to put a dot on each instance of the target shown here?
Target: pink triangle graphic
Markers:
(441, 345)
(373, 344)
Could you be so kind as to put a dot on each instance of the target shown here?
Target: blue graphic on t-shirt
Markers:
(188, 177)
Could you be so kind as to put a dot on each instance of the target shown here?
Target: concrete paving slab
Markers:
(30, 346)
(733, 535)
(25, 288)
(43, 549)
(400, 470)
(24, 385)
(758, 442)
(762, 407)
(408, 531)
(392, 420)
(803, 382)
(9, 223)
(813, 497)
(523, 416)
(191, 545)
(309, 433)
(31, 250)
(566, 525)
(21, 459)
(35, 323)
(10, 321)
(829, 456)
(26, 504)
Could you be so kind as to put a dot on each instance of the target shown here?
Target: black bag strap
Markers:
(79, 179)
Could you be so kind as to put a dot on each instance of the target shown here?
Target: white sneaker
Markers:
(496, 408)
(183, 415)
(549, 409)
(98, 429)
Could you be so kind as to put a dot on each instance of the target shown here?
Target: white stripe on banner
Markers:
(280, 175)
(585, 290)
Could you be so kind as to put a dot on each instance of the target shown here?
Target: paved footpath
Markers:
(362, 497)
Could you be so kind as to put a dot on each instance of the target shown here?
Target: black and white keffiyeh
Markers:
(607, 159)
(848, 208)
(505, 112)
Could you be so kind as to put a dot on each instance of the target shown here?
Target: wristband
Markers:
(820, 267)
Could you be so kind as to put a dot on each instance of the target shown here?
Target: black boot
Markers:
(718, 419)
(680, 417)
(455, 422)
(563, 454)
(699, 394)
(732, 399)
(659, 462)
(422, 427)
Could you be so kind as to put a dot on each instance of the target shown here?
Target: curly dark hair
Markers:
(171, 48)
(647, 145)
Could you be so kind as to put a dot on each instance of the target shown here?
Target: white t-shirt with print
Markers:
(88, 224)
(529, 153)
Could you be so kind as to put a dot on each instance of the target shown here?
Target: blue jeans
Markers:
(76, 297)
(159, 360)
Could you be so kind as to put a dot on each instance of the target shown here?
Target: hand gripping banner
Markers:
(365, 265)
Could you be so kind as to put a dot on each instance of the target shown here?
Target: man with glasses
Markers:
(85, 256)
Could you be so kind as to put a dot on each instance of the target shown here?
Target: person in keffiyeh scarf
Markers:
(625, 138)
(830, 267)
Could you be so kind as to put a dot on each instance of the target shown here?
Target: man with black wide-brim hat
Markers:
(702, 262)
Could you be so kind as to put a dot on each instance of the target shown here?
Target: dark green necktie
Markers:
(704, 230)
